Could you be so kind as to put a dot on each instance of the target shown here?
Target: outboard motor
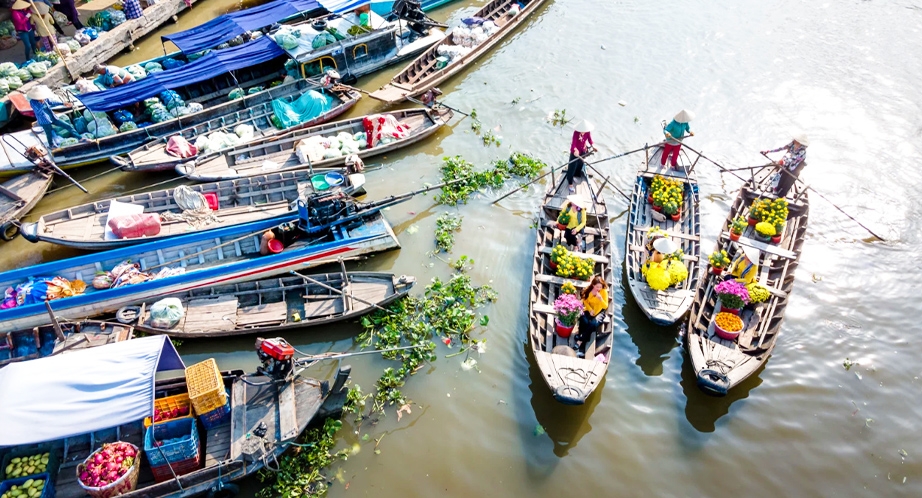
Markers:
(277, 358)
(412, 12)
(319, 210)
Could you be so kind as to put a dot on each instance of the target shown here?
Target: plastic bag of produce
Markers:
(287, 41)
(132, 226)
(80, 124)
(61, 132)
(195, 107)
(171, 99)
(203, 143)
(160, 115)
(4, 86)
(14, 82)
(7, 69)
(255, 89)
(332, 153)
(104, 128)
(171, 63)
(153, 67)
(67, 142)
(166, 313)
(6, 28)
(82, 38)
(235, 41)
(179, 111)
(102, 280)
(117, 16)
(236, 93)
(86, 86)
(137, 71)
(245, 132)
(37, 69)
(336, 34)
(127, 126)
(24, 75)
(322, 40)
(91, 116)
(121, 116)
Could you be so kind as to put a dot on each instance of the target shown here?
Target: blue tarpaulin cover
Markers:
(306, 107)
(207, 67)
(83, 391)
(340, 6)
(225, 27)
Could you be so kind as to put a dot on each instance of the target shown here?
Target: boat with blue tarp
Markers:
(263, 413)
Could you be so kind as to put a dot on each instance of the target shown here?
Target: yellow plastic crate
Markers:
(168, 403)
(206, 389)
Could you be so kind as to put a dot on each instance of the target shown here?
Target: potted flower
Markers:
(732, 295)
(757, 293)
(568, 288)
(671, 208)
(557, 254)
(563, 220)
(727, 326)
(583, 268)
(566, 265)
(756, 210)
(737, 226)
(568, 307)
(658, 200)
(765, 230)
(718, 260)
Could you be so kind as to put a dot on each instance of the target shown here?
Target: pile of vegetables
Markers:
(26, 466)
(29, 489)
(164, 415)
(13, 77)
(108, 464)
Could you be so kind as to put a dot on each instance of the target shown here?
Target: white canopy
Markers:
(83, 391)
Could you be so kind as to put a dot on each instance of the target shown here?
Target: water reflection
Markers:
(565, 425)
(654, 343)
(701, 410)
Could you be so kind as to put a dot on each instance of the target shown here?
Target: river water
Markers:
(754, 72)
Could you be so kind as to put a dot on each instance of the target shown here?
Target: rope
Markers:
(195, 210)
(106, 172)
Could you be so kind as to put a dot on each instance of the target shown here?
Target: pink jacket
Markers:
(21, 20)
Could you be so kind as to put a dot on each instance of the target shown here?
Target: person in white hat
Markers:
(674, 132)
(574, 208)
(791, 164)
(745, 267)
(580, 146)
(41, 98)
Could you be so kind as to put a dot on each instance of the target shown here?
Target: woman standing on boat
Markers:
(674, 132)
(41, 98)
(791, 164)
(580, 146)
(595, 302)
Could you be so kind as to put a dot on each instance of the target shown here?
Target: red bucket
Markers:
(212, 199)
(276, 246)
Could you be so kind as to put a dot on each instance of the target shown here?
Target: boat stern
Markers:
(713, 382)
(570, 395)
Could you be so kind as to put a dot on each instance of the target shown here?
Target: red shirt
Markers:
(21, 20)
(580, 141)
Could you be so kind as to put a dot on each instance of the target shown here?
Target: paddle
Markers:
(411, 99)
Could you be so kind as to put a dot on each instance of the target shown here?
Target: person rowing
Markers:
(581, 145)
(674, 132)
(789, 166)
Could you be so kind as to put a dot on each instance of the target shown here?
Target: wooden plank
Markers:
(288, 417)
(551, 279)
(762, 246)
(211, 314)
(595, 257)
(326, 307)
(543, 308)
(217, 445)
(238, 418)
(263, 313)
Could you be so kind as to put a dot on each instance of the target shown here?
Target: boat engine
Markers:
(412, 12)
(277, 357)
(321, 210)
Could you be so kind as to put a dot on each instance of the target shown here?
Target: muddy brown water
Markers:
(804, 426)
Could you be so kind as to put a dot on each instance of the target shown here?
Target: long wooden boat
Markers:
(720, 364)
(152, 156)
(425, 72)
(201, 259)
(570, 378)
(247, 160)
(24, 345)
(668, 306)
(239, 201)
(277, 305)
(266, 417)
(18, 196)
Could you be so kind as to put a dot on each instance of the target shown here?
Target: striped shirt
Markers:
(42, 110)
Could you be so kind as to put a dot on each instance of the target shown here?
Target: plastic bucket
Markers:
(276, 246)
(333, 179)
(319, 183)
(441, 61)
(212, 199)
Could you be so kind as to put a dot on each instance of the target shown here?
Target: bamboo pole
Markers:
(54, 42)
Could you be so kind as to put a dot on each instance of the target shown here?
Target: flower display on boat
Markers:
(665, 192)
(568, 288)
(757, 292)
(738, 225)
(719, 259)
(678, 272)
(568, 307)
(765, 229)
(758, 207)
(732, 294)
(657, 275)
(729, 322)
(776, 213)
(564, 218)
(558, 252)
(572, 266)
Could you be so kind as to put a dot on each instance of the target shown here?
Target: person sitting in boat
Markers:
(658, 245)
(112, 76)
(791, 164)
(674, 132)
(580, 146)
(745, 268)
(595, 303)
(41, 98)
(429, 98)
(575, 207)
(284, 235)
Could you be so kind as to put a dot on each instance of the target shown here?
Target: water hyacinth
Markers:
(732, 294)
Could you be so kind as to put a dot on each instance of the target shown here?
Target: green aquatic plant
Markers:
(445, 227)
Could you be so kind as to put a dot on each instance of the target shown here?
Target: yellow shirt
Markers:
(577, 219)
(744, 271)
(594, 305)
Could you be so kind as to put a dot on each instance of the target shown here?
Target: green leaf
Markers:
(484, 320)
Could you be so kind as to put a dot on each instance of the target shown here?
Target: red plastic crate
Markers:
(162, 472)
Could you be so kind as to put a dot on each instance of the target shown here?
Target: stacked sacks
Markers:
(137, 71)
(317, 148)
(171, 63)
(153, 67)
(219, 140)
(98, 124)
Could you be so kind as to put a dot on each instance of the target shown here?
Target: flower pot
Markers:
(658, 208)
(753, 221)
(553, 265)
(723, 334)
(561, 226)
(563, 330)
(776, 239)
(650, 198)
(735, 236)
(763, 238)
(735, 311)
(676, 217)
(717, 270)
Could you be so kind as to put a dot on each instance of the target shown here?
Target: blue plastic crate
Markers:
(217, 416)
(186, 448)
(47, 491)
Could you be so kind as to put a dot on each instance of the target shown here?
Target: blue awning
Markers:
(83, 391)
(341, 6)
(225, 27)
(207, 67)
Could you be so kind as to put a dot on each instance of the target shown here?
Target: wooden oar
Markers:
(325, 286)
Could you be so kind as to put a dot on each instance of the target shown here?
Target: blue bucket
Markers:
(333, 179)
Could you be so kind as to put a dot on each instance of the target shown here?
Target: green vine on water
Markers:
(445, 227)
(300, 471)
(454, 168)
(559, 118)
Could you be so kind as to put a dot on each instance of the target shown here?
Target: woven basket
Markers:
(127, 483)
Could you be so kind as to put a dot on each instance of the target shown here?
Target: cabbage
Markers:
(14, 82)
(24, 75)
(153, 67)
(255, 89)
(127, 126)
(37, 69)
(7, 69)
(235, 94)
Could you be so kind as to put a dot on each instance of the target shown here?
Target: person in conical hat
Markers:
(21, 15)
(745, 267)
(581, 145)
(41, 98)
(44, 26)
(674, 132)
(791, 164)
(573, 211)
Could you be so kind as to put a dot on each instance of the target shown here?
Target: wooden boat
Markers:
(18, 196)
(152, 156)
(250, 159)
(44, 341)
(239, 201)
(668, 306)
(570, 378)
(720, 364)
(267, 414)
(276, 305)
(327, 228)
(427, 71)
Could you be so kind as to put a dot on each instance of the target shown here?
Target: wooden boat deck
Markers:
(667, 306)
(251, 159)
(570, 378)
(720, 364)
(44, 341)
(21, 193)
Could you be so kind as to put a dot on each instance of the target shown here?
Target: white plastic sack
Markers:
(166, 313)
(244, 132)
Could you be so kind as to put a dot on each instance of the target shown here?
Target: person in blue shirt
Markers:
(41, 98)
(674, 132)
